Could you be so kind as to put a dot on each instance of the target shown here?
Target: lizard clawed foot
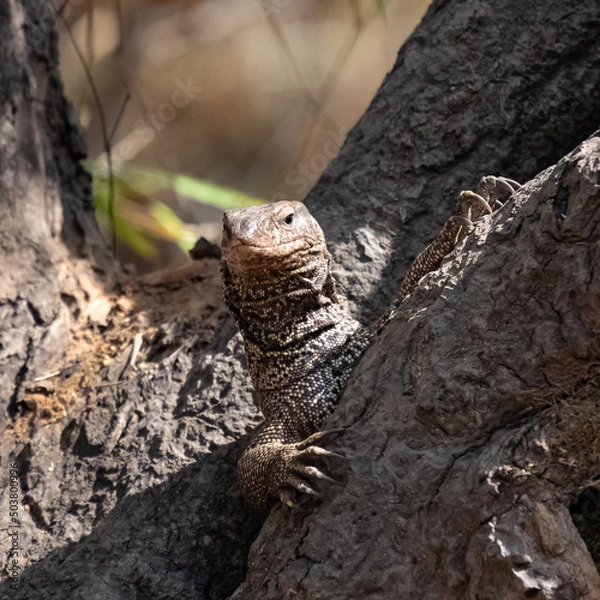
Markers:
(300, 476)
(496, 190)
(490, 194)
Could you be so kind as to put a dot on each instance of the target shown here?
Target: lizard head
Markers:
(269, 237)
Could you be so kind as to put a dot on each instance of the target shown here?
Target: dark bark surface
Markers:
(490, 87)
(126, 473)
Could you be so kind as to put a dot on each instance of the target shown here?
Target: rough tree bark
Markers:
(457, 419)
(471, 424)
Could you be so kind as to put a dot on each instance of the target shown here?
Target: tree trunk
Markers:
(469, 431)
(471, 424)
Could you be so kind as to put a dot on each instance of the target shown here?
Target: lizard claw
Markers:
(310, 471)
(318, 451)
(320, 436)
(496, 190)
(514, 185)
(308, 448)
(285, 495)
(301, 485)
(472, 206)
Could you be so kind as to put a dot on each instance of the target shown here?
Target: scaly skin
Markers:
(301, 342)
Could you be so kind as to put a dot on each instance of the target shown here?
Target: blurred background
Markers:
(193, 106)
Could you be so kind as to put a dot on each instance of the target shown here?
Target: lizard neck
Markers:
(290, 319)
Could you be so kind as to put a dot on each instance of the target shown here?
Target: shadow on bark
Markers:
(160, 538)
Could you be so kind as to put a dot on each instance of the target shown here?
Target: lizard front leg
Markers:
(491, 193)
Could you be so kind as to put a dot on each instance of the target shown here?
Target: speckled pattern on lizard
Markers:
(301, 341)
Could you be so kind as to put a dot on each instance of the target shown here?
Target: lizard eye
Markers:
(289, 219)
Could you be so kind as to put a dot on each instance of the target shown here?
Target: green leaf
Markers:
(209, 193)
(150, 181)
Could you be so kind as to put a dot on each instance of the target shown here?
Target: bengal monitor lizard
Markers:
(301, 342)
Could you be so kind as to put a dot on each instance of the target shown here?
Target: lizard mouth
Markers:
(242, 256)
